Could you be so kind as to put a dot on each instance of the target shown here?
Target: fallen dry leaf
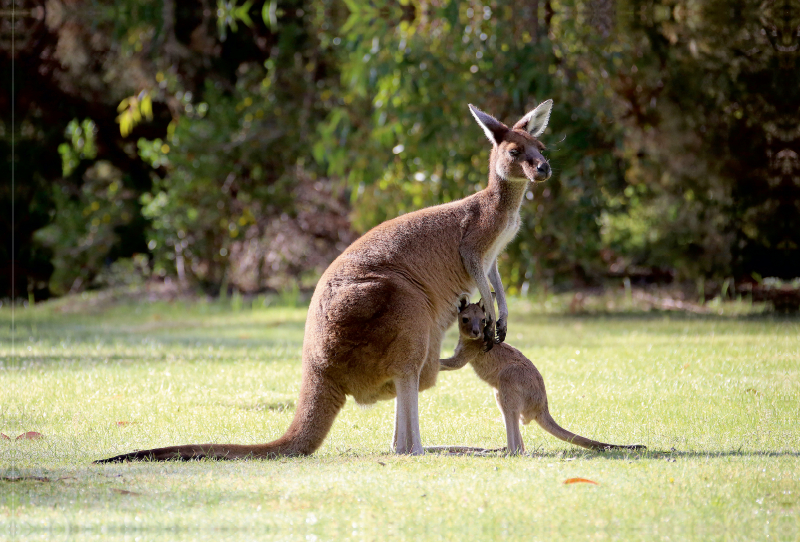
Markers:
(30, 435)
(123, 424)
(4, 436)
(580, 480)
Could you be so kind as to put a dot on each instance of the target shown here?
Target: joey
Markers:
(518, 385)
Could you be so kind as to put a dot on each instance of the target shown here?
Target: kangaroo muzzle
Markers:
(476, 330)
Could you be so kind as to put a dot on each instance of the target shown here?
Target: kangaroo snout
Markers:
(543, 170)
(537, 169)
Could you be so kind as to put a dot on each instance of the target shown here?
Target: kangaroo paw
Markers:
(502, 327)
(488, 336)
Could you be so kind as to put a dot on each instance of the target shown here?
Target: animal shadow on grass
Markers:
(581, 453)
(562, 455)
(679, 454)
(536, 452)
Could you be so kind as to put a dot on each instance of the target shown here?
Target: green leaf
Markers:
(146, 105)
(243, 14)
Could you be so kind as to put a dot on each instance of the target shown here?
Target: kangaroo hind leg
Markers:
(511, 417)
(407, 439)
(408, 357)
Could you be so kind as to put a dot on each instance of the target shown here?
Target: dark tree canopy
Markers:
(244, 146)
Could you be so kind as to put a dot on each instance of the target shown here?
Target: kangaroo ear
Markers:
(463, 301)
(536, 120)
(493, 128)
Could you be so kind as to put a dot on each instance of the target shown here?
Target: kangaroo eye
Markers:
(465, 320)
(514, 152)
(483, 321)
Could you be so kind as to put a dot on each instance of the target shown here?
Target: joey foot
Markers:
(488, 334)
(502, 328)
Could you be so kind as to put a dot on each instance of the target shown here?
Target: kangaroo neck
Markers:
(507, 193)
(470, 348)
(487, 365)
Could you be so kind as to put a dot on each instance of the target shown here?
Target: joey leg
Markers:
(513, 434)
(511, 410)
(406, 422)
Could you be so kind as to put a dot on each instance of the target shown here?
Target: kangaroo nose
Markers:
(543, 169)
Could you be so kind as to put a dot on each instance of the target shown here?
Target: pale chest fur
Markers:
(513, 223)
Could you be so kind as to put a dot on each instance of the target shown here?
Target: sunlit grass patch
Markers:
(715, 399)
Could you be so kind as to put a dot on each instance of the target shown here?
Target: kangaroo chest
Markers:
(501, 241)
(487, 369)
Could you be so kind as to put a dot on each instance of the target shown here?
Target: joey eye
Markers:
(483, 321)
(465, 320)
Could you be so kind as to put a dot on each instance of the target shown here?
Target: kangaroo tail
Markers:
(549, 424)
(319, 402)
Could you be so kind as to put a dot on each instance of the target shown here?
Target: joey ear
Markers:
(482, 305)
(536, 120)
(493, 128)
(463, 301)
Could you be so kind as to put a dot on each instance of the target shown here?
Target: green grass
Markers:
(715, 399)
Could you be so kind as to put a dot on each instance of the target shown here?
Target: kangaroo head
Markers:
(471, 321)
(517, 153)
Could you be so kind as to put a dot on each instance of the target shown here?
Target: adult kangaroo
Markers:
(379, 312)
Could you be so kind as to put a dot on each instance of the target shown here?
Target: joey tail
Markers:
(319, 402)
(549, 424)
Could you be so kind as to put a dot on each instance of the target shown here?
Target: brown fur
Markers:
(519, 387)
(378, 314)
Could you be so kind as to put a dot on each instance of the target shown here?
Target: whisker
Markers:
(553, 146)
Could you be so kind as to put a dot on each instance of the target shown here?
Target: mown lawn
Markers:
(715, 399)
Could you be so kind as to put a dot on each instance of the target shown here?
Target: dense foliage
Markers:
(244, 145)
